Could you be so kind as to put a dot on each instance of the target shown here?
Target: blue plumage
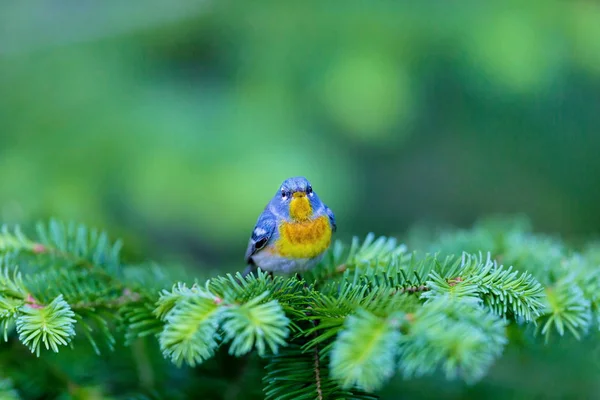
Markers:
(261, 250)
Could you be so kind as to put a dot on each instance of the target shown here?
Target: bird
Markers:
(292, 233)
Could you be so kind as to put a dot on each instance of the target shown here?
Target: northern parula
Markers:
(293, 232)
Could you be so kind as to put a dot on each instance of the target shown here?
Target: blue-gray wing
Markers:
(331, 218)
(265, 226)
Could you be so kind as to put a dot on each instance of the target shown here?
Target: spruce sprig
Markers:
(369, 311)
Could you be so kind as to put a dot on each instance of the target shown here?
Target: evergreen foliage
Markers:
(370, 311)
(7, 392)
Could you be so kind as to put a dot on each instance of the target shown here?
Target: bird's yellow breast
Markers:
(305, 239)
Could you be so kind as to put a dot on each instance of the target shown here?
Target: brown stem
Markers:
(127, 297)
(317, 368)
(414, 289)
(454, 281)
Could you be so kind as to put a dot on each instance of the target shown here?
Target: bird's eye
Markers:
(283, 194)
(309, 190)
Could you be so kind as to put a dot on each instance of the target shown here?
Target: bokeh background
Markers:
(171, 124)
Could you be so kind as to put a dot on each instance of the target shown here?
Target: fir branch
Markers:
(78, 244)
(334, 304)
(468, 275)
(504, 291)
(288, 291)
(570, 301)
(90, 323)
(367, 311)
(195, 316)
(15, 241)
(83, 289)
(255, 325)
(7, 391)
(542, 255)
(381, 251)
(190, 332)
(452, 334)
(52, 325)
(372, 253)
(585, 272)
(566, 308)
(13, 295)
(11, 280)
(94, 295)
(317, 370)
(168, 299)
(73, 245)
(363, 354)
(100, 305)
(291, 375)
(138, 320)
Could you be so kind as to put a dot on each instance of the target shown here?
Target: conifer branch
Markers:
(566, 308)
(195, 316)
(317, 369)
(363, 354)
(51, 325)
(454, 335)
(369, 311)
(290, 374)
(79, 245)
(72, 276)
(7, 391)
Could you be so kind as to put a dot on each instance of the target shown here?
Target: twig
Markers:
(127, 297)
(414, 289)
(317, 367)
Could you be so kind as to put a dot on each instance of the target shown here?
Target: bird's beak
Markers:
(299, 194)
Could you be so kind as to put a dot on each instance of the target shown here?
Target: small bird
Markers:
(292, 233)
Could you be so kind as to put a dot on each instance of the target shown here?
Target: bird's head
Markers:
(296, 194)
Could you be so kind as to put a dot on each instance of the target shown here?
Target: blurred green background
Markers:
(171, 124)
